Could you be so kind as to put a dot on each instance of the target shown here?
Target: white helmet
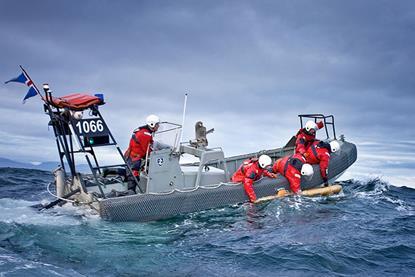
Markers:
(307, 170)
(264, 161)
(309, 125)
(335, 146)
(152, 120)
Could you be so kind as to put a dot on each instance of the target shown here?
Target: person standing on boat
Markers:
(140, 146)
(319, 153)
(293, 167)
(250, 171)
(305, 136)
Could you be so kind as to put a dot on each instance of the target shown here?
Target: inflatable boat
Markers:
(167, 186)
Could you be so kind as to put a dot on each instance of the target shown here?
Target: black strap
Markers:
(313, 149)
(134, 138)
(286, 166)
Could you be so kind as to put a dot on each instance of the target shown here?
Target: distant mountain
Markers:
(9, 163)
(46, 166)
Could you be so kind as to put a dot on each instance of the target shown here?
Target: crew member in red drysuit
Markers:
(292, 167)
(252, 170)
(140, 146)
(305, 136)
(319, 153)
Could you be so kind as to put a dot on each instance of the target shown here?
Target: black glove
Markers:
(326, 182)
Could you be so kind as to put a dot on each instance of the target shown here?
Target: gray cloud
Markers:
(250, 67)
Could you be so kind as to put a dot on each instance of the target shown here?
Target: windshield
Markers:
(168, 133)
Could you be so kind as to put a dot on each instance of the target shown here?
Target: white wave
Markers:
(378, 194)
(20, 211)
(71, 210)
(374, 194)
(401, 205)
(14, 265)
(297, 203)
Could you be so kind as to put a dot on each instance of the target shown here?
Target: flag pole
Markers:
(34, 85)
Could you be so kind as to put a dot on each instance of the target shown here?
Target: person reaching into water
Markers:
(319, 153)
(305, 136)
(293, 167)
(252, 170)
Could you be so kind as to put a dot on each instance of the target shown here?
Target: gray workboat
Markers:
(167, 186)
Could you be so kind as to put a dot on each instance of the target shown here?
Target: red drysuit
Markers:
(304, 139)
(138, 148)
(319, 153)
(290, 168)
(249, 172)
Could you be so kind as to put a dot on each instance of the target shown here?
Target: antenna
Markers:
(183, 118)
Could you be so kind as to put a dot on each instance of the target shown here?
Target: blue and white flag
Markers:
(22, 78)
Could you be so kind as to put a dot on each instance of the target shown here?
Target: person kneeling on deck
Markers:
(306, 136)
(252, 170)
(319, 153)
(292, 167)
(140, 147)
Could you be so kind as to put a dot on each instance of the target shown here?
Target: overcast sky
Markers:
(250, 67)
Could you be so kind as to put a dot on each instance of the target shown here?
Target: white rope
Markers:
(194, 189)
(64, 199)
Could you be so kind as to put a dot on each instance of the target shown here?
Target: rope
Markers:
(194, 189)
(63, 199)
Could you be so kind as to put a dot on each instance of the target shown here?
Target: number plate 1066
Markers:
(91, 127)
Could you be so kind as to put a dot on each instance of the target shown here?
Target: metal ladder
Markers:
(66, 127)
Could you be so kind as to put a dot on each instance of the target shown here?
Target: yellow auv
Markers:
(323, 191)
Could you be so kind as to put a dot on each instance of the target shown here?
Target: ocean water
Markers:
(369, 230)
